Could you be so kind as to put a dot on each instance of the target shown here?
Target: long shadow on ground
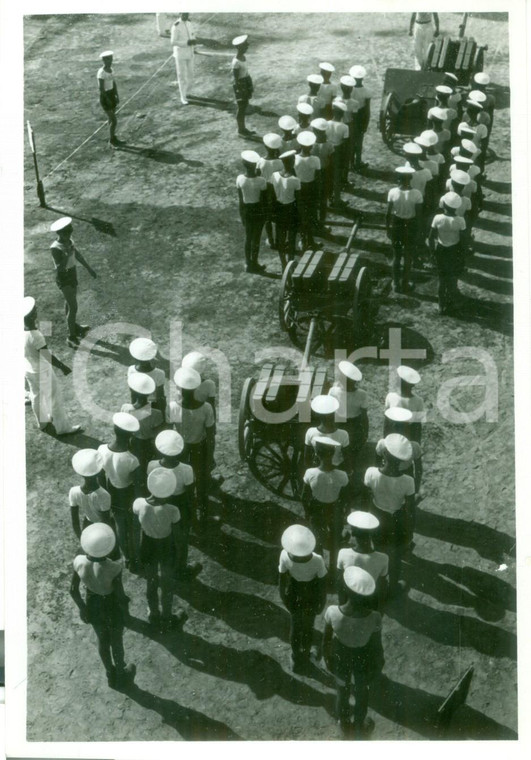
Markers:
(159, 155)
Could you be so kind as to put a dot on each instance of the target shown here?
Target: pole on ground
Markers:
(40, 186)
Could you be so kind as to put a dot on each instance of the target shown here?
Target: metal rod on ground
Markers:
(40, 186)
(307, 349)
(353, 233)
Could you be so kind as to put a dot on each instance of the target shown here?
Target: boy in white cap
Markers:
(183, 41)
(304, 118)
(446, 240)
(404, 209)
(324, 150)
(409, 378)
(478, 96)
(434, 160)
(423, 27)
(65, 254)
(158, 520)
(353, 405)
(242, 83)
(105, 605)
(337, 133)
(144, 351)
(350, 118)
(481, 131)
(287, 125)
(308, 171)
(421, 180)
(286, 186)
(361, 553)
(398, 420)
(195, 421)
(393, 502)
(325, 408)
(454, 100)
(93, 500)
(425, 161)
(312, 97)
(302, 588)
(481, 82)
(123, 480)
(327, 90)
(362, 116)
(266, 167)
(436, 124)
(170, 446)
(352, 648)
(44, 390)
(323, 496)
(442, 100)
(457, 184)
(252, 196)
(109, 95)
(142, 387)
(207, 390)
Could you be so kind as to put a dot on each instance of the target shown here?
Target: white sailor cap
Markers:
(443, 89)
(363, 521)
(430, 136)
(141, 383)
(464, 160)
(440, 114)
(287, 123)
(451, 76)
(325, 440)
(237, 41)
(326, 66)
(320, 124)
(170, 443)
(478, 95)
(339, 104)
(349, 370)
(250, 157)
(325, 404)
(288, 154)
(107, 54)
(187, 378)
(357, 72)
(28, 304)
(469, 145)
(306, 138)
(398, 414)
(452, 200)
(305, 108)
(408, 374)
(424, 142)
(195, 359)
(412, 149)
(467, 129)
(347, 81)
(406, 170)
(315, 79)
(272, 140)
(482, 78)
(126, 421)
(359, 581)
(398, 446)
(61, 223)
(460, 177)
(87, 462)
(298, 540)
(143, 349)
(98, 540)
(474, 104)
(161, 482)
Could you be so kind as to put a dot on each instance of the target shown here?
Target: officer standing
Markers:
(109, 95)
(423, 27)
(183, 41)
(242, 83)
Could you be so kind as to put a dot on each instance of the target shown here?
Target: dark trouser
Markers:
(308, 212)
(326, 523)
(287, 222)
(185, 507)
(127, 526)
(403, 239)
(392, 537)
(358, 432)
(269, 216)
(158, 558)
(253, 222)
(196, 455)
(449, 266)
(106, 618)
(357, 149)
(67, 284)
(144, 451)
(361, 692)
(339, 158)
(243, 92)
(301, 602)
(327, 187)
(108, 103)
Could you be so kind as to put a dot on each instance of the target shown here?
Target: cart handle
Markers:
(307, 348)
(353, 233)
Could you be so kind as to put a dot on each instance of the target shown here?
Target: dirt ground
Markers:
(159, 222)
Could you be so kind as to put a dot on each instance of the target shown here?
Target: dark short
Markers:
(156, 550)
(393, 530)
(403, 231)
(450, 260)
(254, 211)
(67, 278)
(243, 90)
(104, 611)
(285, 214)
(303, 596)
(108, 103)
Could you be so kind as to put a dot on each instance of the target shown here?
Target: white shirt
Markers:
(33, 342)
(353, 632)
(108, 79)
(341, 436)
(240, 67)
(268, 166)
(184, 475)
(481, 132)
(67, 249)
(464, 208)
(118, 465)
(323, 150)
(388, 492)
(404, 202)
(306, 167)
(302, 571)
(156, 520)
(97, 576)
(206, 390)
(361, 94)
(336, 132)
(403, 466)
(285, 187)
(375, 563)
(314, 101)
(468, 190)
(192, 424)
(431, 166)
(351, 403)
(325, 486)
(327, 92)
(414, 403)
(91, 504)
(420, 179)
(181, 32)
(156, 374)
(451, 115)
(448, 228)
(251, 187)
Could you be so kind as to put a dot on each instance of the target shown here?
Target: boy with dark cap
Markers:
(252, 190)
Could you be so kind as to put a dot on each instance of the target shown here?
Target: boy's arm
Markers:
(75, 593)
(74, 514)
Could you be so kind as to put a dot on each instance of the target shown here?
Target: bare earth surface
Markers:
(160, 224)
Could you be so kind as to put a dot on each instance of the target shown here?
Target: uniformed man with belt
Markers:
(183, 41)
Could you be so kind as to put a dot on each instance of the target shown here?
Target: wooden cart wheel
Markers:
(360, 308)
(277, 465)
(285, 303)
(245, 421)
(387, 119)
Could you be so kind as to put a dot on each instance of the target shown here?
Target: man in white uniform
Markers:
(422, 30)
(183, 41)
